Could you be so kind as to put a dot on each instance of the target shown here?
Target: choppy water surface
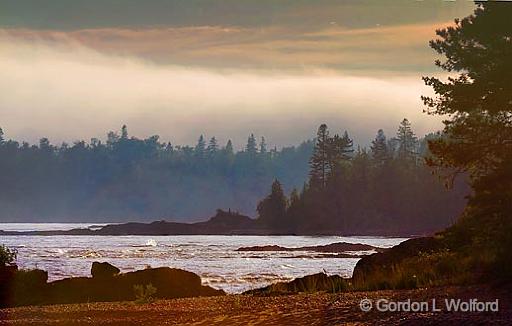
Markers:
(214, 258)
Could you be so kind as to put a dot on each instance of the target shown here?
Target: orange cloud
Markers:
(379, 49)
(60, 88)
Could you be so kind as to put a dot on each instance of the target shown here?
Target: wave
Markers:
(149, 243)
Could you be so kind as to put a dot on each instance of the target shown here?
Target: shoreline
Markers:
(99, 233)
(223, 223)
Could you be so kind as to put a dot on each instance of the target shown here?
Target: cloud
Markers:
(364, 51)
(65, 90)
(83, 14)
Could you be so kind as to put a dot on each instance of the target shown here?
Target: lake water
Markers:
(214, 258)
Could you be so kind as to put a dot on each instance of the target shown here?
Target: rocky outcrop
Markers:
(31, 287)
(169, 283)
(338, 247)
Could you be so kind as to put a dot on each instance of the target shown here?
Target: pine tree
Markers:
(294, 197)
(124, 132)
(272, 209)
(213, 147)
(251, 147)
(44, 144)
(340, 149)
(1, 136)
(294, 210)
(319, 162)
(407, 142)
(476, 103)
(229, 148)
(263, 146)
(112, 139)
(379, 148)
(346, 146)
(199, 150)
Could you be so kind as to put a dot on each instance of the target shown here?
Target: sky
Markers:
(77, 69)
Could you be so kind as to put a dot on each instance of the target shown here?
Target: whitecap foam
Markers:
(151, 243)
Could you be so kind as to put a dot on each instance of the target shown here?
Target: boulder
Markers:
(383, 262)
(310, 283)
(169, 283)
(30, 287)
(103, 270)
(21, 287)
(7, 275)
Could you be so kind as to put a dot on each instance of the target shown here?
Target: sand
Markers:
(300, 309)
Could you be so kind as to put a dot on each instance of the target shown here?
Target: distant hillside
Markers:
(131, 179)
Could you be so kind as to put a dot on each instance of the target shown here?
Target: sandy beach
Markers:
(300, 309)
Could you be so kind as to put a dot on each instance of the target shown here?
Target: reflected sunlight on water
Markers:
(214, 258)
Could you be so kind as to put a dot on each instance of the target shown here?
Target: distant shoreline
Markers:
(243, 227)
(89, 232)
(223, 223)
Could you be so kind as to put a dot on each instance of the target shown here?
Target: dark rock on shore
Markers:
(7, 273)
(169, 283)
(310, 283)
(370, 267)
(103, 270)
(338, 247)
(383, 262)
(20, 287)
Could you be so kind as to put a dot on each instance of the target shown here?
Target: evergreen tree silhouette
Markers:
(319, 162)
(379, 148)
(407, 142)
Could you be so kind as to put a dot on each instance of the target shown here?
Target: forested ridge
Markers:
(132, 179)
(386, 187)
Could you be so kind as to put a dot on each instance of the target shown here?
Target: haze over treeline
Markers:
(277, 68)
(129, 179)
(126, 178)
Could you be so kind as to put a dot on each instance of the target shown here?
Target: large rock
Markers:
(309, 283)
(383, 262)
(30, 287)
(103, 270)
(169, 283)
(21, 287)
(7, 275)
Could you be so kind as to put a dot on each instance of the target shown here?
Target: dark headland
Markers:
(223, 223)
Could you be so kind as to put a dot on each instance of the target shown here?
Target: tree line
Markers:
(332, 186)
(126, 178)
(386, 189)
